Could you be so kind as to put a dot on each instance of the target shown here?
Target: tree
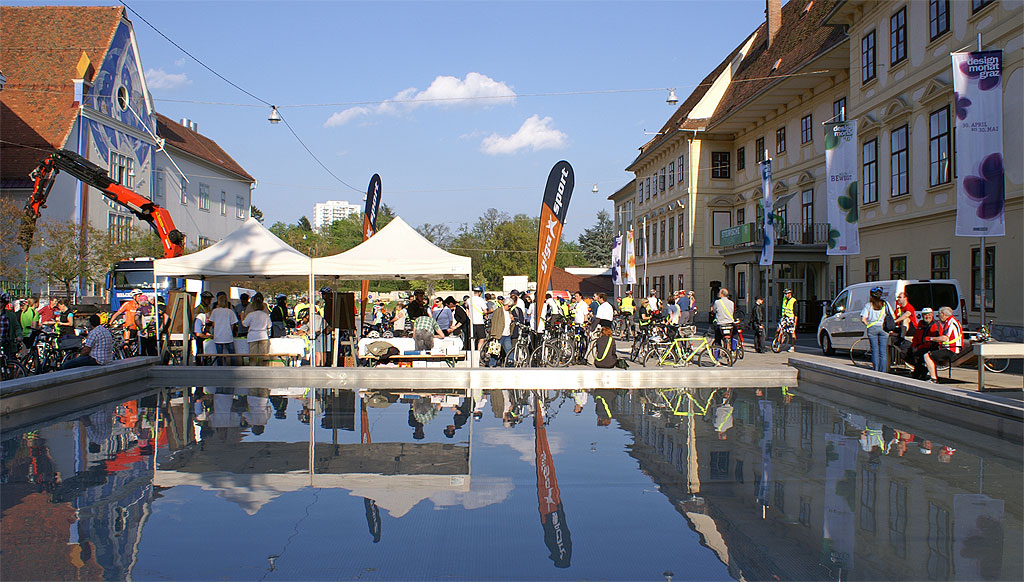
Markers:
(439, 234)
(64, 256)
(256, 213)
(596, 242)
(12, 257)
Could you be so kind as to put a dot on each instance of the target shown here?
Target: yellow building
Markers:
(801, 68)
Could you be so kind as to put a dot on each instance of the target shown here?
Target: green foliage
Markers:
(596, 242)
(256, 213)
(304, 224)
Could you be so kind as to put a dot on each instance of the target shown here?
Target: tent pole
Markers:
(312, 311)
(472, 339)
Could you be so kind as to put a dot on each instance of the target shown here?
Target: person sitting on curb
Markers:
(98, 349)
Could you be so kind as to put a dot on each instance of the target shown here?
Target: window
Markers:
(741, 285)
(159, 188)
(671, 234)
(806, 133)
(119, 228)
(807, 216)
(223, 203)
(741, 159)
(671, 174)
(780, 140)
(654, 238)
(720, 220)
(898, 36)
(760, 215)
(839, 109)
(184, 192)
(719, 465)
(805, 511)
(977, 5)
(990, 279)
(661, 239)
(782, 215)
(898, 518)
(939, 542)
(900, 182)
(868, 479)
(869, 171)
(681, 168)
(681, 239)
(840, 278)
(240, 207)
(122, 169)
(780, 496)
(204, 197)
(940, 265)
(938, 147)
(898, 267)
(871, 270)
(720, 165)
(647, 188)
(938, 18)
(204, 242)
(867, 57)
(806, 426)
(741, 216)
(661, 181)
(759, 152)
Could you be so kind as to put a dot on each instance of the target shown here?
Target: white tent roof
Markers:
(252, 251)
(397, 251)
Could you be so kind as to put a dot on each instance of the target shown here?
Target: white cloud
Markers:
(180, 62)
(535, 133)
(521, 443)
(475, 90)
(161, 79)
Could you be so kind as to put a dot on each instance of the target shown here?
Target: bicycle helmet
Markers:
(876, 292)
(326, 290)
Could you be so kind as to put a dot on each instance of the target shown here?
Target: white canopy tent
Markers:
(397, 251)
(251, 252)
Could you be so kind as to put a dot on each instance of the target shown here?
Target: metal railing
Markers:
(792, 233)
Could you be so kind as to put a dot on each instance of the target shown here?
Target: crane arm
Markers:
(89, 173)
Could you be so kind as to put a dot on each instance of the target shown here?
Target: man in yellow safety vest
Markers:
(789, 318)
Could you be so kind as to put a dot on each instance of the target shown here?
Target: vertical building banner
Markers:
(630, 258)
(768, 246)
(839, 532)
(617, 278)
(557, 193)
(549, 498)
(369, 229)
(978, 97)
(841, 188)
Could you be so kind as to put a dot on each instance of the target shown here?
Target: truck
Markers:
(130, 274)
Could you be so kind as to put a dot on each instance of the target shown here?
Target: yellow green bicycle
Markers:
(683, 350)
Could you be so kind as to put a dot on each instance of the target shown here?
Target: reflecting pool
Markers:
(317, 484)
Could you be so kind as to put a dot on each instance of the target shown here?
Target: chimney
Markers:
(773, 14)
(186, 122)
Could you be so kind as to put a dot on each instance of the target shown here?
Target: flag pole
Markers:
(981, 275)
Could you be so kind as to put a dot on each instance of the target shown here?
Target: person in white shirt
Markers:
(652, 302)
(223, 319)
(580, 310)
(605, 311)
(477, 310)
(258, 322)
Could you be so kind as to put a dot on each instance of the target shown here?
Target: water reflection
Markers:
(262, 483)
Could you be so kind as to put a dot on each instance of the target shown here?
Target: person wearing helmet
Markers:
(127, 311)
(789, 317)
(873, 316)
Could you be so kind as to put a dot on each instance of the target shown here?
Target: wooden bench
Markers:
(289, 359)
(449, 359)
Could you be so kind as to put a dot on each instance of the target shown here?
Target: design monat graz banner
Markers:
(841, 188)
(370, 227)
(552, 219)
(978, 96)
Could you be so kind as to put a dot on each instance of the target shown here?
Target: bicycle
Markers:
(983, 335)
(623, 326)
(10, 368)
(680, 352)
(519, 355)
(783, 335)
(860, 356)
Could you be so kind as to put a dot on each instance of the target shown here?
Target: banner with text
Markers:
(841, 188)
(552, 218)
(630, 258)
(617, 278)
(978, 100)
(768, 247)
(369, 228)
(557, 537)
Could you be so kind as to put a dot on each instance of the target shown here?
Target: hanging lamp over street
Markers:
(672, 99)
(275, 117)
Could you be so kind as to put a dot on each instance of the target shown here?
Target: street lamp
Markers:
(672, 99)
(275, 117)
(594, 189)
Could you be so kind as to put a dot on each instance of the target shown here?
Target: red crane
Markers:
(82, 169)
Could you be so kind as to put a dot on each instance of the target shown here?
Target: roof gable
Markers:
(197, 144)
(39, 55)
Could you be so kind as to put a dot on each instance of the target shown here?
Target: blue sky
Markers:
(440, 161)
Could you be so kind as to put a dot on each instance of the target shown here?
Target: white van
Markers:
(841, 325)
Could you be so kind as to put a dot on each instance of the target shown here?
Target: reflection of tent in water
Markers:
(397, 475)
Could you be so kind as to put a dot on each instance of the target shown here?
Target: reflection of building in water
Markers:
(76, 495)
(834, 484)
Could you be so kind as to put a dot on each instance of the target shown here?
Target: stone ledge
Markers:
(59, 377)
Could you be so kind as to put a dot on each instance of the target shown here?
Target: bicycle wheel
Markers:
(12, 370)
(738, 352)
(518, 356)
(711, 355)
(860, 353)
(780, 341)
(997, 365)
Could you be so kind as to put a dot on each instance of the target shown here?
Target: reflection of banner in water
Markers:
(370, 505)
(977, 537)
(838, 535)
(549, 498)
(766, 451)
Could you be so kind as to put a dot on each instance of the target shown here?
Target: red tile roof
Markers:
(40, 51)
(802, 37)
(197, 144)
(562, 280)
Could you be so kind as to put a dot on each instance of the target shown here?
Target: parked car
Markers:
(840, 325)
